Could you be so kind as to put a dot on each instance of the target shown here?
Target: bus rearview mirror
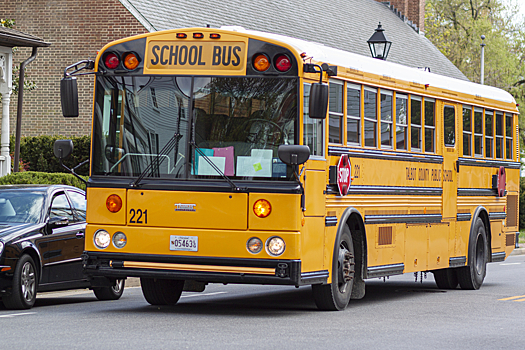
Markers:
(318, 103)
(293, 154)
(63, 148)
(69, 97)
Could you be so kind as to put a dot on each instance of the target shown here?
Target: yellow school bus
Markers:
(233, 156)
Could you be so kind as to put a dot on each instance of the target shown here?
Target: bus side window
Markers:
(401, 121)
(430, 125)
(478, 132)
(335, 114)
(449, 119)
(370, 97)
(499, 135)
(313, 132)
(415, 123)
(508, 136)
(353, 112)
(467, 131)
(489, 134)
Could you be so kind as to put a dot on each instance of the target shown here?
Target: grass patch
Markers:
(522, 236)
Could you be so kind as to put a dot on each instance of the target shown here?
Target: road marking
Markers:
(204, 295)
(512, 298)
(19, 314)
(510, 264)
(519, 300)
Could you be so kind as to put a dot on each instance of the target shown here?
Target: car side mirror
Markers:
(57, 221)
(318, 103)
(69, 96)
(63, 148)
(293, 154)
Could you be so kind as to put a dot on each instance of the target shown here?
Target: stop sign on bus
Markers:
(343, 175)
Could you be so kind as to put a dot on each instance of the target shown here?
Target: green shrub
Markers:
(33, 177)
(37, 152)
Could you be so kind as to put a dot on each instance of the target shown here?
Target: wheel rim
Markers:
(117, 286)
(28, 282)
(480, 255)
(344, 268)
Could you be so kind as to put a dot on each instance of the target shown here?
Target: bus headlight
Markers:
(275, 246)
(119, 240)
(102, 239)
(254, 245)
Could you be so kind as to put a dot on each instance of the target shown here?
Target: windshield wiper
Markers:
(157, 160)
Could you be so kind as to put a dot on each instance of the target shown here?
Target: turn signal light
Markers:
(182, 35)
(261, 62)
(131, 61)
(114, 203)
(198, 35)
(262, 208)
(111, 61)
(215, 36)
(282, 63)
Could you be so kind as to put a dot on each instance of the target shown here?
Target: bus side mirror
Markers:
(69, 97)
(63, 148)
(293, 154)
(318, 103)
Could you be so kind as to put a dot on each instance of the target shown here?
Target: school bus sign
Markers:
(227, 56)
(343, 175)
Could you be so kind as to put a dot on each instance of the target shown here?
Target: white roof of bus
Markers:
(322, 53)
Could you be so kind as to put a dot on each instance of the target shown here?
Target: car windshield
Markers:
(21, 206)
(234, 127)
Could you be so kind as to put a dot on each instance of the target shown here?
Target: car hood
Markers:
(9, 231)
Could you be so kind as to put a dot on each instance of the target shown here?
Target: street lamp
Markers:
(482, 80)
(379, 44)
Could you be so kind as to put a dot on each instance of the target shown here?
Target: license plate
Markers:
(184, 243)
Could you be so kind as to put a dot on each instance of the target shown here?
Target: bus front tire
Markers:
(161, 291)
(472, 275)
(336, 295)
(446, 278)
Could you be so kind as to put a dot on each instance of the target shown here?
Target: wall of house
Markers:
(76, 31)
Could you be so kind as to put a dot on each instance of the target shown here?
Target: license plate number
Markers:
(184, 243)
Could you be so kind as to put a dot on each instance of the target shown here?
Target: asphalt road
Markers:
(396, 314)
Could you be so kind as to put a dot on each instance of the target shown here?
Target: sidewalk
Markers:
(520, 250)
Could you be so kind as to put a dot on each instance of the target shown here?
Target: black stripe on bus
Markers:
(405, 218)
(330, 221)
(487, 192)
(488, 163)
(457, 261)
(500, 256)
(464, 217)
(314, 277)
(388, 190)
(385, 155)
(385, 270)
(497, 216)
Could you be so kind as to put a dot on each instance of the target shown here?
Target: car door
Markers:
(61, 256)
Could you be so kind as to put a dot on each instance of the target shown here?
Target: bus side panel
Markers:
(441, 237)
(312, 244)
(386, 244)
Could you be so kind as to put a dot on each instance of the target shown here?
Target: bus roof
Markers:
(326, 54)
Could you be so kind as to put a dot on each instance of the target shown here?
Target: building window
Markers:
(353, 112)
(335, 115)
(489, 134)
(478, 132)
(415, 123)
(499, 134)
(313, 133)
(430, 125)
(467, 131)
(508, 136)
(387, 120)
(370, 99)
(401, 121)
(449, 123)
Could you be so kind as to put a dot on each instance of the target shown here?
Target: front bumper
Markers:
(204, 269)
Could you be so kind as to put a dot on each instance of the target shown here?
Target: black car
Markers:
(41, 242)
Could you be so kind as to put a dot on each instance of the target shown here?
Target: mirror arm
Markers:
(72, 171)
(88, 64)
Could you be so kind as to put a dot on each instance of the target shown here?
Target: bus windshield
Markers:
(193, 127)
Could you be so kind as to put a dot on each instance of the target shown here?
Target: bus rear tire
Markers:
(336, 295)
(446, 278)
(472, 275)
(161, 291)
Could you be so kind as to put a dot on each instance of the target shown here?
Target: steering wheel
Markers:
(264, 132)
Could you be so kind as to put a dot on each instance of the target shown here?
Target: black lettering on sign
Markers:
(200, 57)
(173, 54)
(183, 55)
(193, 55)
(423, 174)
(216, 58)
(155, 54)
(226, 62)
(411, 174)
(447, 176)
(162, 60)
(237, 59)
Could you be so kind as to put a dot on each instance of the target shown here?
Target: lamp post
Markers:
(379, 44)
(482, 80)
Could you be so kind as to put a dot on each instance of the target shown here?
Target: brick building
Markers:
(77, 30)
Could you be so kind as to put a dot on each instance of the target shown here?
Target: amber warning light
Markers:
(114, 203)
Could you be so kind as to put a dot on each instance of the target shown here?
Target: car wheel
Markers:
(336, 295)
(25, 281)
(160, 291)
(110, 293)
(472, 275)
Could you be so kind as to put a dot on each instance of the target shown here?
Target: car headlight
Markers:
(102, 239)
(275, 246)
(1, 247)
(119, 240)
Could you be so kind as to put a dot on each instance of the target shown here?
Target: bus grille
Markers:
(512, 210)
(509, 240)
(385, 236)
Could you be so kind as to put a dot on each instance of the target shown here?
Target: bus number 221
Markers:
(138, 215)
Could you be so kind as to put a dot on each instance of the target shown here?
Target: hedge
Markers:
(34, 177)
(36, 153)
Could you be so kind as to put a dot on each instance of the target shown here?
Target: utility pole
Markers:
(482, 80)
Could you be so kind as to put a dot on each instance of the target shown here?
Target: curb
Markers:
(132, 282)
(518, 251)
